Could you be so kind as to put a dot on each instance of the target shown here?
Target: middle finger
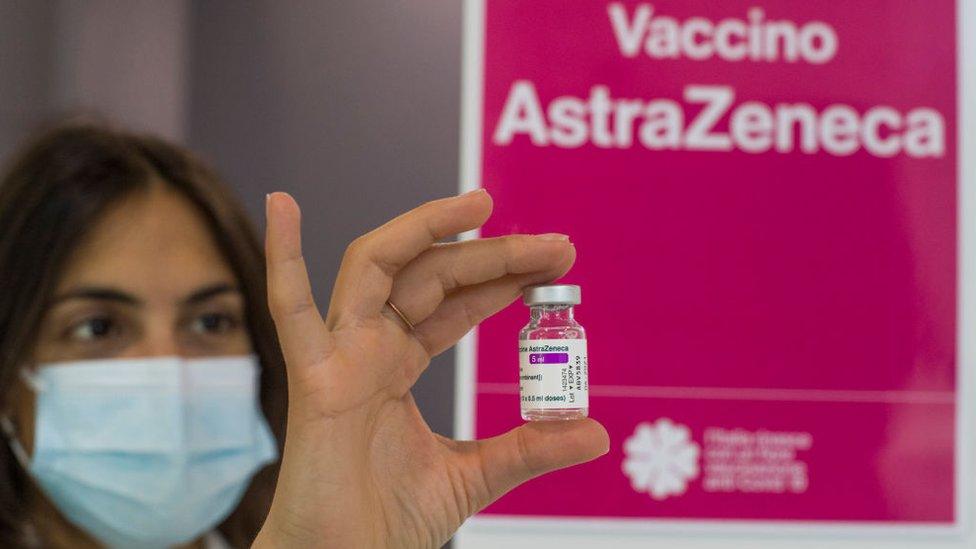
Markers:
(421, 286)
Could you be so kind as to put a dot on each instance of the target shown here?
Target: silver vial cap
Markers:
(552, 294)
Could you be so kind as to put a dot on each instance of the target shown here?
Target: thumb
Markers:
(536, 448)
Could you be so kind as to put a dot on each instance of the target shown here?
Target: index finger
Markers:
(365, 277)
(297, 320)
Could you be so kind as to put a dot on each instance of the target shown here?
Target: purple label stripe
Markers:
(548, 358)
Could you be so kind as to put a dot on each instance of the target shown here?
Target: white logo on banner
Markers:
(661, 459)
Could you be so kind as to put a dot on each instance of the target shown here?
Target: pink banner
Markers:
(763, 199)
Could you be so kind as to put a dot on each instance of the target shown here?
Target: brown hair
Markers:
(51, 194)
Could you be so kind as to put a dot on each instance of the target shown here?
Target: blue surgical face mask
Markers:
(147, 452)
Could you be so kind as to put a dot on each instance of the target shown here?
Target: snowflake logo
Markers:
(661, 459)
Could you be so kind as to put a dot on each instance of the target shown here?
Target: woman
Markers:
(133, 321)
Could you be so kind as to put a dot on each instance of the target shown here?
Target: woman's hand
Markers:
(360, 467)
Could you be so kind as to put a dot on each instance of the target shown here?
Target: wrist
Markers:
(275, 534)
(264, 541)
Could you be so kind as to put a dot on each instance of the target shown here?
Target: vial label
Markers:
(553, 374)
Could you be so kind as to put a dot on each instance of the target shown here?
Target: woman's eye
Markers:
(92, 329)
(214, 323)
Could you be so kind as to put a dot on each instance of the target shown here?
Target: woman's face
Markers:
(147, 280)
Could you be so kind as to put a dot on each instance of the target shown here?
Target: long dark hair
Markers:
(52, 193)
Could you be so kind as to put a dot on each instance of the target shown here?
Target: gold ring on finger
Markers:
(400, 314)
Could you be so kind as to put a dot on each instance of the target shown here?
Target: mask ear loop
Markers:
(32, 381)
(7, 426)
(10, 433)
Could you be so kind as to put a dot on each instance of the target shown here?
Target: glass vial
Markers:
(553, 380)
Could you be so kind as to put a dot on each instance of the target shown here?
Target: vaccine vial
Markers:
(553, 380)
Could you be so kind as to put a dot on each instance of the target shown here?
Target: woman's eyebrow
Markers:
(99, 293)
(208, 292)
(112, 294)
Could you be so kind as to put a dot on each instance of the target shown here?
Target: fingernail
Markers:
(478, 190)
(267, 203)
(553, 237)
